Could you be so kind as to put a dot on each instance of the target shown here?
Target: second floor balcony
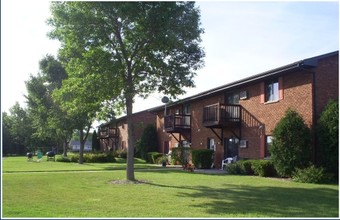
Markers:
(177, 123)
(108, 133)
(221, 115)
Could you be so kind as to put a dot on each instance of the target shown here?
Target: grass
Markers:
(167, 193)
(20, 164)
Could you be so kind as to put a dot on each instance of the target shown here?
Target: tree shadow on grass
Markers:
(250, 201)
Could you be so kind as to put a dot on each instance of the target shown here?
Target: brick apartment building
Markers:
(113, 135)
(237, 119)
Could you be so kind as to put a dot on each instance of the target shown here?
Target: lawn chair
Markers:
(39, 156)
(226, 161)
(29, 156)
(50, 156)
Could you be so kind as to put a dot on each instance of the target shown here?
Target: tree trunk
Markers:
(81, 149)
(65, 147)
(130, 175)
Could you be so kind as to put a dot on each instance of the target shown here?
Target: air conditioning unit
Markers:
(243, 143)
(243, 95)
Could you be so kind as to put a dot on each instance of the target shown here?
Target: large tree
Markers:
(18, 123)
(51, 124)
(131, 48)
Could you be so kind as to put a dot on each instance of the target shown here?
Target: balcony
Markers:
(221, 115)
(105, 133)
(177, 123)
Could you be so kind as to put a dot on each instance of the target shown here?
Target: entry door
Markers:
(231, 147)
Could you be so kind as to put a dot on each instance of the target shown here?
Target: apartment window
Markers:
(211, 144)
(233, 98)
(269, 141)
(272, 91)
(186, 110)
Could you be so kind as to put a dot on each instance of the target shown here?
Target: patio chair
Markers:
(29, 157)
(39, 156)
(226, 161)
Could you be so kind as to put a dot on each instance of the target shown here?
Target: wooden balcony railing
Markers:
(221, 115)
(177, 123)
(108, 133)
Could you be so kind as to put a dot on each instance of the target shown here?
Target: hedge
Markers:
(264, 168)
(202, 158)
(89, 158)
(152, 157)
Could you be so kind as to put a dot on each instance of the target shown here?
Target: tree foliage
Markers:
(328, 137)
(291, 147)
(18, 125)
(129, 48)
(52, 125)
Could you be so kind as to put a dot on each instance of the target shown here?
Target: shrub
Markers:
(162, 159)
(264, 168)
(122, 153)
(89, 158)
(233, 169)
(75, 158)
(246, 167)
(202, 158)
(152, 157)
(181, 155)
(311, 174)
(63, 159)
(291, 144)
(328, 134)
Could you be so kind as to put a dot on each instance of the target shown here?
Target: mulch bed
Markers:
(122, 182)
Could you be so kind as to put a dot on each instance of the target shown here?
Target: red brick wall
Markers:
(297, 95)
(140, 120)
(258, 118)
(327, 82)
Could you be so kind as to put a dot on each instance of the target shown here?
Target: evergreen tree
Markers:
(291, 145)
(328, 137)
(95, 142)
(148, 142)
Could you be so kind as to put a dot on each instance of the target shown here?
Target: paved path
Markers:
(208, 171)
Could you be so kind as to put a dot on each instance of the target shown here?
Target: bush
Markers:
(181, 155)
(90, 158)
(246, 167)
(291, 145)
(311, 174)
(202, 158)
(162, 159)
(328, 135)
(63, 159)
(264, 168)
(121, 153)
(75, 158)
(233, 169)
(152, 157)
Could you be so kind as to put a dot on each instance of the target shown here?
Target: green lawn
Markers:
(65, 191)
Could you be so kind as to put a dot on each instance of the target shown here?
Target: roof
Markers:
(122, 118)
(308, 63)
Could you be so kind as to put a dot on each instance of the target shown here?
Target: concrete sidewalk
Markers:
(210, 171)
(207, 171)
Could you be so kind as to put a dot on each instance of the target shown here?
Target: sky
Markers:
(241, 39)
